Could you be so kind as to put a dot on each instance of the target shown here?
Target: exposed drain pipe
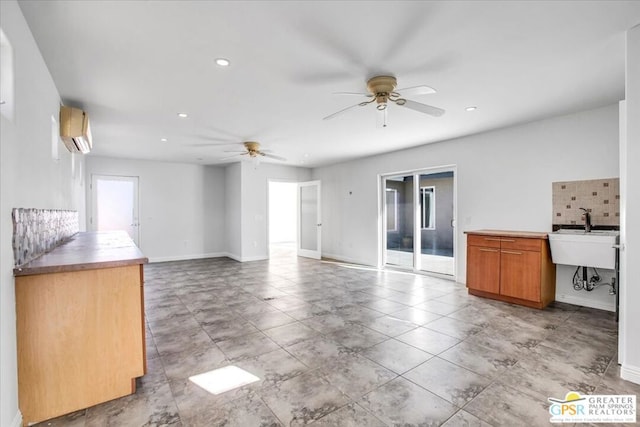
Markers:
(590, 283)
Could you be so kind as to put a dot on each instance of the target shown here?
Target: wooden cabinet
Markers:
(510, 266)
(80, 326)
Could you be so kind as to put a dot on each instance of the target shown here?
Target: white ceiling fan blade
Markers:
(416, 90)
(235, 151)
(272, 156)
(331, 116)
(423, 108)
(214, 138)
(352, 93)
(232, 157)
(209, 145)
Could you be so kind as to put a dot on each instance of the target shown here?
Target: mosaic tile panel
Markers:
(37, 231)
(600, 196)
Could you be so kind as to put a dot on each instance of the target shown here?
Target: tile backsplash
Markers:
(600, 196)
(36, 231)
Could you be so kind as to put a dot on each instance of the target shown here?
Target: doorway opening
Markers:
(283, 219)
(115, 204)
(418, 209)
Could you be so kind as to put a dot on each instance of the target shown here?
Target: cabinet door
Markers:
(520, 274)
(483, 269)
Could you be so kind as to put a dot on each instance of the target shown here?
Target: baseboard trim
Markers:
(630, 373)
(17, 420)
(188, 257)
(342, 258)
(254, 258)
(233, 256)
(584, 302)
(245, 259)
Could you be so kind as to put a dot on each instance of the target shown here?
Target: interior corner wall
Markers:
(233, 211)
(503, 180)
(630, 226)
(29, 177)
(255, 190)
(180, 206)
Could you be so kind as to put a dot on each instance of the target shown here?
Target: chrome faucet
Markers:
(587, 220)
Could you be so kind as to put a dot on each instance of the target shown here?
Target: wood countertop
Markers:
(86, 251)
(509, 233)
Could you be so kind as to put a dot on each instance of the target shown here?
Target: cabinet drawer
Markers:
(484, 241)
(521, 244)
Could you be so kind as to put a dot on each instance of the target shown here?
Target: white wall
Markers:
(255, 188)
(233, 211)
(29, 177)
(630, 238)
(180, 206)
(214, 196)
(598, 298)
(503, 180)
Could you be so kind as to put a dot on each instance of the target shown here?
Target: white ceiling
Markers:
(133, 65)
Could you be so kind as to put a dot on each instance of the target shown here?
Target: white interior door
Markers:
(309, 220)
(115, 204)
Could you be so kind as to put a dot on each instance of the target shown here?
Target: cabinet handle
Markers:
(512, 252)
(507, 240)
(492, 239)
(488, 250)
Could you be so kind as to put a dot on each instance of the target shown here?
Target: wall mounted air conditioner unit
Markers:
(74, 130)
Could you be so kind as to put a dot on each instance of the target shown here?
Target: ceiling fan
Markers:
(382, 90)
(252, 149)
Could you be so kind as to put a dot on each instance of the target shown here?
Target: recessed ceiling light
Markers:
(163, 139)
(223, 62)
(183, 115)
(471, 108)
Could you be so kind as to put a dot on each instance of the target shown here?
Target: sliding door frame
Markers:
(382, 215)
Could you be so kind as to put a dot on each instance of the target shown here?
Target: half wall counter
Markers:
(80, 325)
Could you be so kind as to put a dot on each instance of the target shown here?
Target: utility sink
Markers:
(586, 249)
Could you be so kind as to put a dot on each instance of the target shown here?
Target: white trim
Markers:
(348, 260)
(245, 259)
(585, 302)
(188, 257)
(209, 255)
(622, 260)
(233, 256)
(254, 258)
(630, 373)
(17, 420)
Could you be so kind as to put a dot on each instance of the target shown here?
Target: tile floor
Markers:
(338, 345)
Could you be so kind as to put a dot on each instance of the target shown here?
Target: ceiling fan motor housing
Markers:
(382, 87)
(253, 148)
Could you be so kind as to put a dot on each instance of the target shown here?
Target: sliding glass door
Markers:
(419, 220)
(399, 220)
